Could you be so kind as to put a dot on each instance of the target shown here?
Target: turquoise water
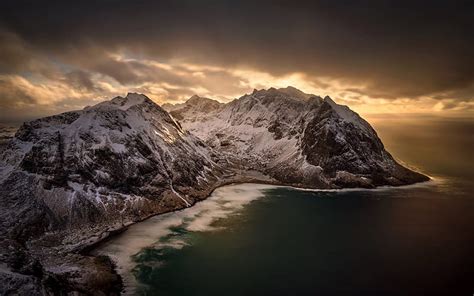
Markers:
(305, 243)
(261, 240)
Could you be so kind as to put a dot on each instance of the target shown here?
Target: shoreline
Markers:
(88, 249)
(85, 250)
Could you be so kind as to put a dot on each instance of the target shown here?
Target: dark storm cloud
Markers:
(14, 56)
(80, 79)
(17, 56)
(397, 48)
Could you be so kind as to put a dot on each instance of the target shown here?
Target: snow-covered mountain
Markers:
(85, 173)
(118, 154)
(70, 180)
(193, 108)
(296, 138)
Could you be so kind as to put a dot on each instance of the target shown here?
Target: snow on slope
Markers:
(70, 180)
(256, 130)
(297, 138)
(120, 156)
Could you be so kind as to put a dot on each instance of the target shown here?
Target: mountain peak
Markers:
(294, 92)
(123, 103)
(132, 99)
(194, 104)
(329, 100)
(289, 91)
(136, 96)
(196, 99)
(348, 115)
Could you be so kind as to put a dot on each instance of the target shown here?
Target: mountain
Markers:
(297, 138)
(193, 108)
(83, 174)
(71, 180)
(128, 149)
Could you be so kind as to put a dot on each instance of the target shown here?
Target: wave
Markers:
(169, 230)
(163, 231)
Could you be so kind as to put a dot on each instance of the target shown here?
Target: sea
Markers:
(254, 239)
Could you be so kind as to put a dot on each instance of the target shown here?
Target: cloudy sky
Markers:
(376, 56)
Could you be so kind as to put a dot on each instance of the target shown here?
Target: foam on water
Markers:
(163, 231)
(169, 230)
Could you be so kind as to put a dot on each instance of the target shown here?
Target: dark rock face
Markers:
(353, 150)
(331, 142)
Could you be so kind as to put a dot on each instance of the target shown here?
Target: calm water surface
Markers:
(261, 240)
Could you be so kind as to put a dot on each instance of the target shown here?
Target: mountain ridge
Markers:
(292, 123)
(70, 180)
